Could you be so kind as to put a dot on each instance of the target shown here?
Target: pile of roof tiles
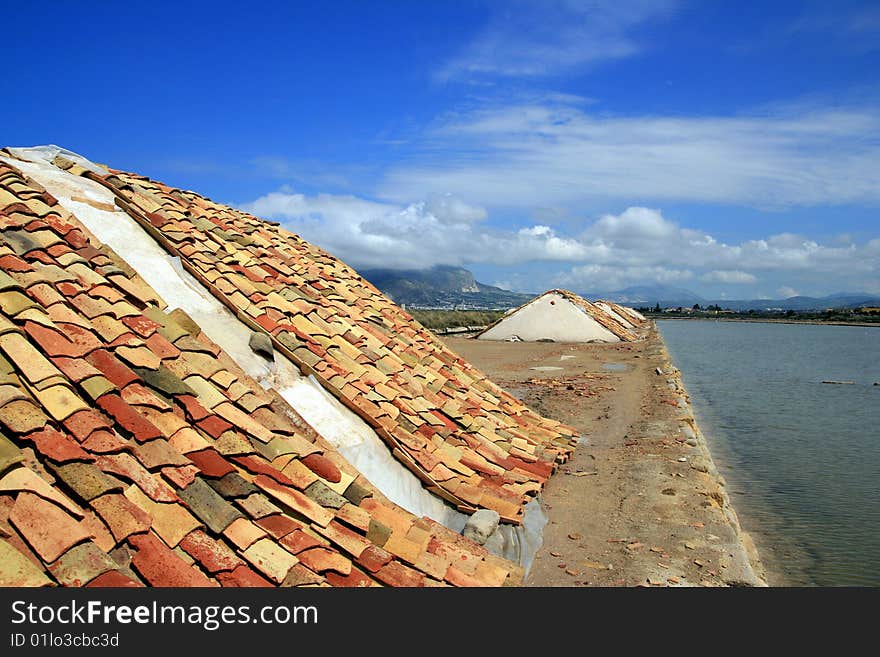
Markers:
(470, 442)
(133, 451)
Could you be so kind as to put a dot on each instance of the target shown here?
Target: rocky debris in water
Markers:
(842, 383)
(481, 525)
(262, 344)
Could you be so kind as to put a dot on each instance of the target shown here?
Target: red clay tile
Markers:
(161, 347)
(48, 529)
(157, 564)
(321, 559)
(278, 525)
(355, 579)
(243, 533)
(396, 574)
(104, 442)
(126, 466)
(83, 423)
(214, 426)
(343, 537)
(257, 466)
(181, 476)
(243, 577)
(297, 541)
(129, 418)
(12, 263)
(110, 367)
(373, 558)
(194, 410)
(214, 556)
(114, 579)
(76, 369)
(98, 531)
(122, 516)
(58, 447)
(53, 342)
(294, 499)
(141, 325)
(211, 463)
(323, 467)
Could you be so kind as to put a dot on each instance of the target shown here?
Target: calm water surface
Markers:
(801, 458)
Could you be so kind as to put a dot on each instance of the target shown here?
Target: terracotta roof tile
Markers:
(17, 570)
(355, 333)
(122, 516)
(184, 442)
(81, 564)
(114, 579)
(170, 521)
(213, 555)
(161, 567)
(48, 529)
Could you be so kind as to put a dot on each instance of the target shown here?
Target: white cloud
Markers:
(786, 292)
(729, 276)
(639, 245)
(529, 38)
(611, 277)
(546, 154)
(442, 230)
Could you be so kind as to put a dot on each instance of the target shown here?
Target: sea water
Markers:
(801, 458)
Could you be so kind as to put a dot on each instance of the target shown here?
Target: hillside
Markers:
(441, 287)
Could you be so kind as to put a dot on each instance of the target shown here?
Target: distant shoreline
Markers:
(767, 320)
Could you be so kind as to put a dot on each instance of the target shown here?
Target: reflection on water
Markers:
(801, 458)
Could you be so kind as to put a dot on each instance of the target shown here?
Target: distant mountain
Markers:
(648, 295)
(671, 297)
(802, 303)
(441, 286)
(444, 286)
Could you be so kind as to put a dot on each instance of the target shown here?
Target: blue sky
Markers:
(729, 148)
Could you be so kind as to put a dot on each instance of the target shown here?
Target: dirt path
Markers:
(640, 502)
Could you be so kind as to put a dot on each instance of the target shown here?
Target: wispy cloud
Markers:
(534, 38)
(551, 155)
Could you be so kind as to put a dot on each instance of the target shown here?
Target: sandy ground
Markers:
(640, 502)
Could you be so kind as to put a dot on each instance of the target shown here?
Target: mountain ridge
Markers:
(446, 286)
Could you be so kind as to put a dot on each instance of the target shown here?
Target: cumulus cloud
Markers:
(550, 154)
(612, 277)
(636, 246)
(529, 38)
(787, 292)
(442, 230)
(729, 276)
